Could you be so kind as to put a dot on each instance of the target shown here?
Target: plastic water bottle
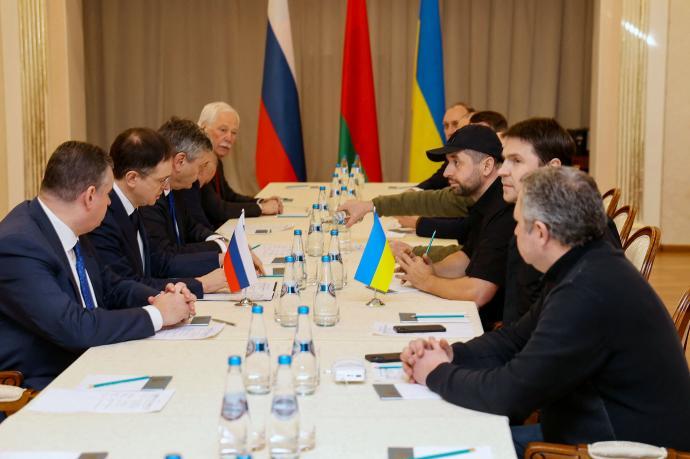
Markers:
(234, 414)
(300, 268)
(304, 366)
(286, 312)
(283, 437)
(337, 265)
(344, 168)
(352, 189)
(334, 198)
(257, 369)
(323, 204)
(326, 313)
(314, 245)
(339, 223)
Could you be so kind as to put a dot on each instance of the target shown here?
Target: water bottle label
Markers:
(314, 228)
(299, 257)
(234, 406)
(256, 346)
(284, 407)
(330, 288)
(336, 257)
(304, 347)
(288, 289)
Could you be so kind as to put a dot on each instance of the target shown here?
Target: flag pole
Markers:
(245, 301)
(375, 302)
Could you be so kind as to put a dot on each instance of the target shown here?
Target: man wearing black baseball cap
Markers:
(477, 272)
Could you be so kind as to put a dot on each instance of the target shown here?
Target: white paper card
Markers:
(38, 455)
(90, 380)
(261, 291)
(480, 452)
(388, 372)
(94, 401)
(453, 330)
(187, 332)
(412, 391)
(268, 252)
(442, 318)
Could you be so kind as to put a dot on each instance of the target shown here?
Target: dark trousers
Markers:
(523, 435)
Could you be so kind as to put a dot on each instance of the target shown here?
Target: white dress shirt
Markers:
(68, 240)
(129, 208)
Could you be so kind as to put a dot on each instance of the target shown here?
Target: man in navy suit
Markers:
(55, 299)
(142, 168)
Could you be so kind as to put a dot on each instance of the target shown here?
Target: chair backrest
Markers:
(681, 318)
(610, 199)
(543, 450)
(641, 248)
(624, 218)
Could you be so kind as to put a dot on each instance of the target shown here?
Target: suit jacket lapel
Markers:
(51, 236)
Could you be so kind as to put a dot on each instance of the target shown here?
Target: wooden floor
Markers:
(671, 278)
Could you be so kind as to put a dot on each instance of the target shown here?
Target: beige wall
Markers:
(675, 207)
(3, 144)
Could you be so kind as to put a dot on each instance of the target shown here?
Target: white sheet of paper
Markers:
(480, 452)
(261, 291)
(90, 380)
(268, 252)
(411, 391)
(453, 330)
(398, 287)
(439, 320)
(265, 229)
(95, 401)
(186, 332)
(39, 455)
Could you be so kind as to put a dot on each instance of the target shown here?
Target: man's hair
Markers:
(567, 201)
(138, 149)
(185, 136)
(211, 111)
(464, 105)
(548, 139)
(478, 156)
(73, 167)
(494, 120)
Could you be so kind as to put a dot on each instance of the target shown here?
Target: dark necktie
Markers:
(83, 281)
(171, 204)
(135, 218)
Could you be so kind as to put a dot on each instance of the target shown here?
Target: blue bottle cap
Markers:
(244, 456)
(334, 175)
(343, 188)
(257, 309)
(334, 232)
(298, 232)
(173, 456)
(289, 259)
(234, 360)
(325, 258)
(322, 188)
(303, 310)
(284, 360)
(315, 206)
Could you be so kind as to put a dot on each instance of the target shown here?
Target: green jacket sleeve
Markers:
(430, 203)
(437, 253)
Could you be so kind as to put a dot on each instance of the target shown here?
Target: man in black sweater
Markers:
(587, 354)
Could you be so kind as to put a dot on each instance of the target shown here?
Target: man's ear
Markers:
(542, 231)
(88, 196)
(555, 162)
(131, 179)
(179, 159)
(489, 165)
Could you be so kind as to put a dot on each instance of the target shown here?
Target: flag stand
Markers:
(375, 302)
(244, 302)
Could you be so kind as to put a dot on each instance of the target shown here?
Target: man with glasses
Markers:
(142, 166)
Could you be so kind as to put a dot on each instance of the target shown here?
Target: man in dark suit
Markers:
(170, 226)
(55, 299)
(598, 354)
(221, 123)
(142, 167)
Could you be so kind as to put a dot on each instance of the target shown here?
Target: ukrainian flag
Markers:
(377, 264)
(428, 94)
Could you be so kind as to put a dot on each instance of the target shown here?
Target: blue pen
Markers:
(256, 246)
(389, 367)
(437, 316)
(433, 235)
(448, 454)
(120, 381)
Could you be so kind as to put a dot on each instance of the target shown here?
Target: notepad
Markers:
(404, 391)
(95, 401)
(267, 253)
(188, 332)
(261, 291)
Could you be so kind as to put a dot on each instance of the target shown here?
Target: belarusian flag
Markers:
(359, 132)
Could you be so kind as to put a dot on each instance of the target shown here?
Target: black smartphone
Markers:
(419, 328)
(383, 358)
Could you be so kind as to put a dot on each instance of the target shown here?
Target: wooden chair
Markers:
(15, 378)
(541, 450)
(624, 218)
(641, 248)
(681, 319)
(610, 199)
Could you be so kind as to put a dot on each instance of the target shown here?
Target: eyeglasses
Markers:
(162, 182)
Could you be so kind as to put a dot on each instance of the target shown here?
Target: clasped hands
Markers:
(416, 270)
(421, 357)
(271, 205)
(176, 303)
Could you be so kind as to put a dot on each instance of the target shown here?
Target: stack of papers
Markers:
(100, 401)
(269, 252)
(186, 332)
(50, 455)
(453, 330)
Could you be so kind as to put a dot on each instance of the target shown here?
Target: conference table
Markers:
(348, 420)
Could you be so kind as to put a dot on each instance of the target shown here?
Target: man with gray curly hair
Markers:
(587, 353)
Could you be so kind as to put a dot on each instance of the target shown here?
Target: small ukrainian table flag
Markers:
(377, 264)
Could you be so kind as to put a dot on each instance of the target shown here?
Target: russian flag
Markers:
(279, 149)
(238, 264)
(377, 264)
